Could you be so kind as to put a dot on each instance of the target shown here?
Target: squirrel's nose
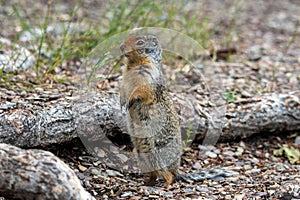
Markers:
(149, 50)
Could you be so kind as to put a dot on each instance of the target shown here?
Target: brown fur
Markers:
(151, 118)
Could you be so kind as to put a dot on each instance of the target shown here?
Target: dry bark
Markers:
(37, 174)
(99, 115)
(265, 114)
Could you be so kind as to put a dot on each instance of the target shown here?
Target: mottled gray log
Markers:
(99, 115)
(37, 174)
(271, 113)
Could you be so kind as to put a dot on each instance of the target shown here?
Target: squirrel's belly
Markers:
(158, 134)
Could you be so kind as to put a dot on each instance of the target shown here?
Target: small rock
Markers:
(126, 194)
(279, 168)
(275, 186)
(9, 92)
(246, 94)
(267, 155)
(153, 196)
(211, 154)
(239, 151)
(114, 149)
(113, 173)
(206, 147)
(146, 192)
(232, 179)
(14, 57)
(271, 192)
(125, 168)
(217, 151)
(239, 196)
(188, 190)
(135, 198)
(206, 162)
(82, 168)
(218, 178)
(261, 194)
(254, 53)
(253, 171)
(197, 165)
(97, 163)
(202, 189)
(87, 184)
(39, 89)
(23, 93)
(7, 105)
(247, 167)
(80, 175)
(187, 160)
(255, 160)
(52, 29)
(122, 157)
(242, 144)
(96, 172)
(228, 153)
(168, 194)
(97, 186)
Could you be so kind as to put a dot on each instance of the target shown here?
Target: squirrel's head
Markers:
(142, 47)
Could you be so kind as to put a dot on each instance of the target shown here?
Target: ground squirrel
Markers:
(152, 120)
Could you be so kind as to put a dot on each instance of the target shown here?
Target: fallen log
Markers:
(99, 116)
(37, 174)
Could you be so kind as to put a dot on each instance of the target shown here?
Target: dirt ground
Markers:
(261, 41)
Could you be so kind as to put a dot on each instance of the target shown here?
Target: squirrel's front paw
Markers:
(133, 102)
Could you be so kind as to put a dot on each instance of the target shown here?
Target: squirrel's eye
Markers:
(154, 42)
(140, 42)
